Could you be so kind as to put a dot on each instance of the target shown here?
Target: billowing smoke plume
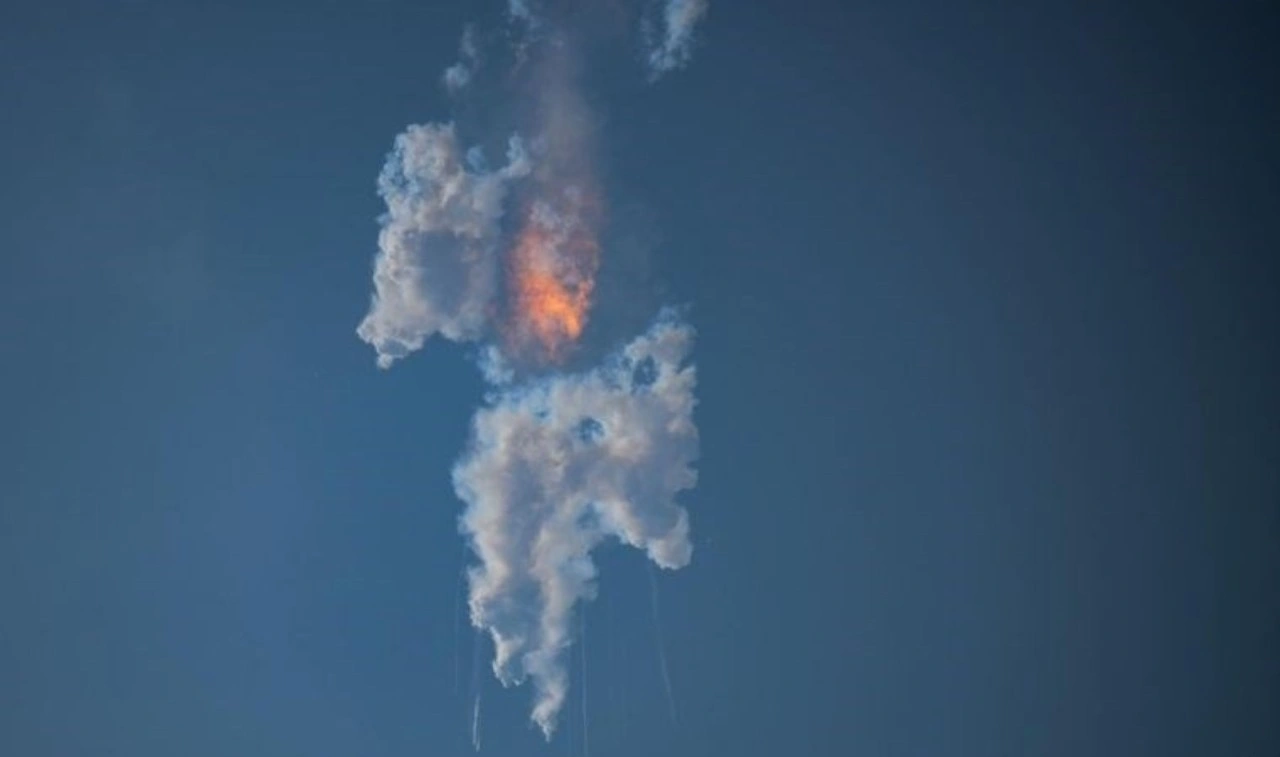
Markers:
(559, 461)
(437, 264)
(555, 468)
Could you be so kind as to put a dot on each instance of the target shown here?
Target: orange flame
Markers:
(552, 275)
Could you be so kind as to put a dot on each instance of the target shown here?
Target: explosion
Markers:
(560, 460)
(551, 276)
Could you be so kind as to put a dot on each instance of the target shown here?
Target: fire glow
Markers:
(551, 272)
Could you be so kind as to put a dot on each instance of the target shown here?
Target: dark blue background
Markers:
(986, 300)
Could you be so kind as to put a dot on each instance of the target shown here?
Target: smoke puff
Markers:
(437, 262)
(458, 76)
(556, 467)
(672, 47)
(519, 9)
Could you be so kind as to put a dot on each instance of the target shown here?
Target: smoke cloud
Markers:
(437, 262)
(555, 468)
(559, 460)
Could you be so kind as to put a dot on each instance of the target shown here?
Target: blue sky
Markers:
(984, 299)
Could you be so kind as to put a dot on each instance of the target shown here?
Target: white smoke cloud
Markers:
(437, 264)
(671, 46)
(556, 467)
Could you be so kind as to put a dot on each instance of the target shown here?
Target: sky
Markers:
(985, 349)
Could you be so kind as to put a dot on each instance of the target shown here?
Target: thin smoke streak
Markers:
(623, 702)
(586, 731)
(457, 626)
(476, 690)
(611, 705)
(662, 653)
(571, 736)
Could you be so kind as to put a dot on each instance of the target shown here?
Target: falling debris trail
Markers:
(657, 630)
(476, 690)
(610, 664)
(571, 736)
(457, 625)
(586, 741)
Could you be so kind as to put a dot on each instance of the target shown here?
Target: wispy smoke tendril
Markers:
(671, 45)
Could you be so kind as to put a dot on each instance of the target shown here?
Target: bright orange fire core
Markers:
(552, 274)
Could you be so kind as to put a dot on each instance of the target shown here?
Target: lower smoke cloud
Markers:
(554, 469)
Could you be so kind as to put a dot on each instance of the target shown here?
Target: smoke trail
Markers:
(611, 664)
(586, 742)
(558, 462)
(457, 630)
(657, 633)
(477, 688)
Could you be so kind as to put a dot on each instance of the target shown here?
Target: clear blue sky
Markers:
(987, 330)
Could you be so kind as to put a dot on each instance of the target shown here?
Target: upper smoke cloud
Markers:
(555, 468)
(437, 263)
(672, 45)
